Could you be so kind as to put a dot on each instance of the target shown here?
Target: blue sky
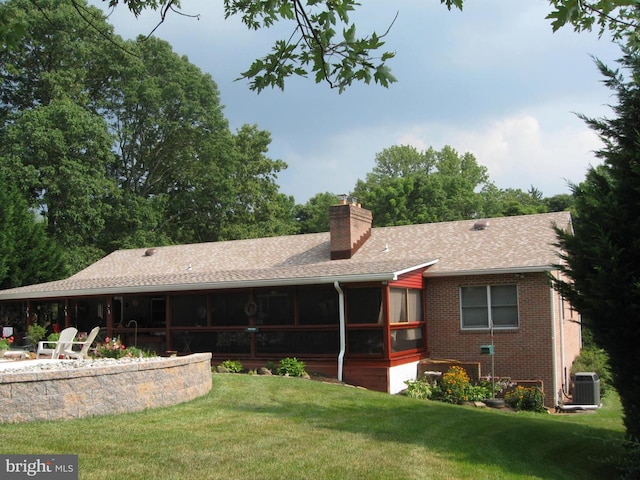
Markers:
(492, 80)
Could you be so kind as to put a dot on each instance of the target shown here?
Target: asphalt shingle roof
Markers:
(509, 243)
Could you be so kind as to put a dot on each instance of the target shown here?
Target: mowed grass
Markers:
(256, 427)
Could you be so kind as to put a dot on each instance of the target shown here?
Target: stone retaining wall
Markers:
(102, 390)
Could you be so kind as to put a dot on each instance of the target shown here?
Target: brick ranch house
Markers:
(360, 303)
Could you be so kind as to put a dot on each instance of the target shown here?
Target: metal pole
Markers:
(493, 366)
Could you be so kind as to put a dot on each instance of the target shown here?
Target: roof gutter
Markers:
(182, 287)
(490, 271)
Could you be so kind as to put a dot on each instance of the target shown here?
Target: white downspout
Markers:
(343, 335)
(562, 352)
(556, 400)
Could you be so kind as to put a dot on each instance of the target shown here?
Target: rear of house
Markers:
(367, 305)
(535, 334)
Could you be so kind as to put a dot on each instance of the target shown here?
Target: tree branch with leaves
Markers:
(323, 42)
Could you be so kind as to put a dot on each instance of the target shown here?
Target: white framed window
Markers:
(489, 306)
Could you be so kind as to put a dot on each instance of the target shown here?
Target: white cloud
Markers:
(519, 151)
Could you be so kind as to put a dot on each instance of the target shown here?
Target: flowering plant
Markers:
(454, 384)
(114, 348)
(525, 398)
(498, 384)
(5, 342)
(111, 348)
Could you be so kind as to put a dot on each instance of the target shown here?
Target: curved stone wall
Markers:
(100, 390)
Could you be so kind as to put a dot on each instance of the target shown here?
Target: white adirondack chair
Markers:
(85, 346)
(63, 343)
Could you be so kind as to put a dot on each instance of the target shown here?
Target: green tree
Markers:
(123, 144)
(165, 111)
(313, 216)
(167, 121)
(61, 152)
(58, 56)
(27, 254)
(518, 202)
(602, 254)
(180, 171)
(560, 202)
(53, 140)
(407, 186)
(253, 204)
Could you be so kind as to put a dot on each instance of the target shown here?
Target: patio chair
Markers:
(63, 343)
(84, 349)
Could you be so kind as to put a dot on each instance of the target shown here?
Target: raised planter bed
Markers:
(68, 389)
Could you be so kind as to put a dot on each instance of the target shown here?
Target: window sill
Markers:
(488, 330)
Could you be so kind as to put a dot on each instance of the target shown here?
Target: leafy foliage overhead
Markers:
(323, 41)
(621, 18)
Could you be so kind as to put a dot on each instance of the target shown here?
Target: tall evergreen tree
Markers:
(27, 253)
(602, 254)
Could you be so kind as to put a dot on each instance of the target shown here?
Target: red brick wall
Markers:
(524, 353)
(350, 227)
(568, 341)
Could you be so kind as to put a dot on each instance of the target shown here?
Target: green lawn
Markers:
(255, 427)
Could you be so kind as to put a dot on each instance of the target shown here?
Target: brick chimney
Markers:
(350, 227)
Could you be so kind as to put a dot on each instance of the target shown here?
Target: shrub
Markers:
(453, 386)
(36, 333)
(271, 366)
(477, 392)
(232, 366)
(421, 389)
(525, 398)
(593, 359)
(630, 461)
(496, 385)
(53, 337)
(291, 367)
(138, 352)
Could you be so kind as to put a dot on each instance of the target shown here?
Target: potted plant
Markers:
(498, 385)
(36, 333)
